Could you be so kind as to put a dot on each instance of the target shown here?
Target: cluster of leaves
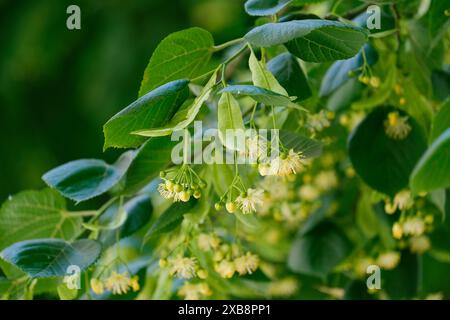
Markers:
(320, 71)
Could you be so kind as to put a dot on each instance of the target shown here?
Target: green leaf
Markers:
(404, 281)
(229, 118)
(115, 222)
(84, 179)
(416, 105)
(290, 75)
(181, 55)
(437, 21)
(170, 219)
(36, 214)
(152, 157)
(262, 77)
(138, 212)
(154, 109)
(385, 164)
(339, 72)
(343, 97)
(319, 251)
(441, 121)
(43, 258)
(308, 147)
(265, 7)
(185, 115)
(433, 169)
(311, 40)
(65, 293)
(260, 95)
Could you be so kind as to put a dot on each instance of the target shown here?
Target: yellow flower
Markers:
(419, 244)
(97, 286)
(308, 192)
(182, 267)
(225, 268)
(283, 288)
(192, 291)
(326, 180)
(362, 264)
(397, 231)
(246, 264)
(402, 201)
(164, 191)
(413, 226)
(388, 260)
(248, 201)
(375, 82)
(287, 164)
(202, 274)
(396, 127)
(317, 121)
(134, 283)
(118, 283)
(207, 242)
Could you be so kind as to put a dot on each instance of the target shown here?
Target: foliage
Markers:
(361, 178)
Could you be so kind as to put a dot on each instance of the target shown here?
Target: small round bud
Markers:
(197, 194)
(283, 155)
(162, 263)
(162, 174)
(177, 188)
(202, 184)
(194, 186)
(230, 206)
(169, 185)
(375, 82)
(202, 274)
(185, 196)
(244, 194)
(218, 206)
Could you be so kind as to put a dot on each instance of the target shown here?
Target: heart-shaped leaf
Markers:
(36, 214)
(384, 163)
(319, 251)
(138, 212)
(43, 258)
(153, 109)
(181, 55)
(84, 179)
(441, 120)
(433, 169)
(290, 75)
(184, 116)
(170, 219)
(311, 40)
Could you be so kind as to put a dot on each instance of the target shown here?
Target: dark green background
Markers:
(59, 86)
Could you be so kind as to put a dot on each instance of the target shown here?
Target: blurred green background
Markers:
(58, 86)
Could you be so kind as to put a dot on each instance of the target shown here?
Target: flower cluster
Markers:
(179, 184)
(286, 164)
(194, 291)
(116, 282)
(396, 126)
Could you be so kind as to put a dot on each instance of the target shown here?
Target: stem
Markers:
(234, 56)
(227, 44)
(87, 213)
